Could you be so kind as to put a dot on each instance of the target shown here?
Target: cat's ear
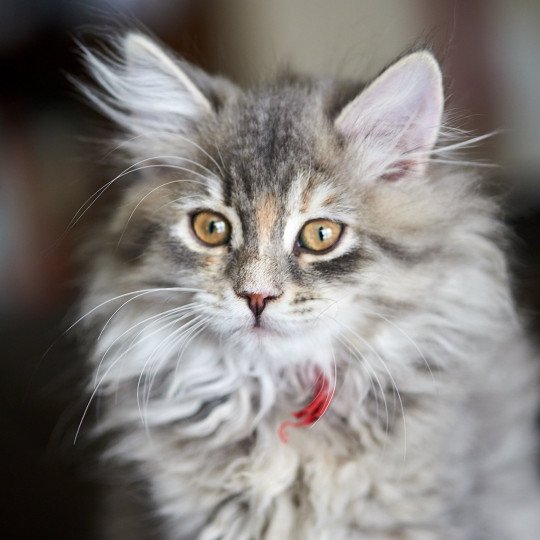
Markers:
(393, 124)
(147, 91)
(159, 82)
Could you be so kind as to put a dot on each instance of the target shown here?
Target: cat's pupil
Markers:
(216, 227)
(324, 233)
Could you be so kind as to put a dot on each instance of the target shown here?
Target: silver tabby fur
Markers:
(430, 433)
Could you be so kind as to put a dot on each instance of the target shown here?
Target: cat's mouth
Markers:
(261, 329)
(273, 326)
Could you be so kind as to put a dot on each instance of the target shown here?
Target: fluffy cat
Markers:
(302, 246)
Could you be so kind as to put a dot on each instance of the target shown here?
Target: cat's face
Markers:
(281, 208)
(269, 234)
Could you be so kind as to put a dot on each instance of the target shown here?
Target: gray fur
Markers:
(430, 433)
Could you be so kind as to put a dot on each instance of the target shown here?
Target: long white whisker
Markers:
(220, 159)
(465, 163)
(90, 201)
(190, 334)
(200, 148)
(129, 170)
(174, 201)
(160, 317)
(134, 343)
(142, 292)
(329, 398)
(201, 325)
(184, 328)
(93, 394)
(393, 383)
(115, 298)
(383, 363)
(155, 133)
(467, 143)
(364, 360)
(357, 353)
(399, 329)
(91, 399)
(148, 195)
(116, 311)
(181, 352)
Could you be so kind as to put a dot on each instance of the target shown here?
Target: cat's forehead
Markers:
(269, 140)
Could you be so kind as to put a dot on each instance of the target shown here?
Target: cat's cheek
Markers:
(210, 262)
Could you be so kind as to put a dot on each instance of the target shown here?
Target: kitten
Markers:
(299, 318)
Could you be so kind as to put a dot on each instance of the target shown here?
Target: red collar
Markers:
(312, 411)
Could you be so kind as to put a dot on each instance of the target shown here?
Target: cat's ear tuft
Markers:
(394, 122)
(162, 78)
(149, 92)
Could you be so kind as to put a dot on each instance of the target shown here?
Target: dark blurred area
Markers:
(50, 164)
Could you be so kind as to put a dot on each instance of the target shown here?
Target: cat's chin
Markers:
(278, 343)
(266, 336)
(262, 333)
(268, 332)
(274, 338)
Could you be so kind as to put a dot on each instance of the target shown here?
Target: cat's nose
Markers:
(257, 301)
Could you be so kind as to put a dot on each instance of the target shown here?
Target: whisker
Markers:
(181, 352)
(184, 328)
(332, 304)
(119, 309)
(191, 333)
(177, 200)
(90, 400)
(372, 374)
(93, 198)
(399, 329)
(156, 133)
(393, 383)
(200, 148)
(138, 293)
(330, 397)
(160, 317)
(220, 159)
(85, 207)
(465, 163)
(113, 299)
(383, 363)
(148, 195)
(94, 392)
(135, 343)
(465, 143)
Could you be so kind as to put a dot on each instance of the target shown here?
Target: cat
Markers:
(299, 318)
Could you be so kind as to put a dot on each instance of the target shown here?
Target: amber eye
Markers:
(320, 235)
(211, 228)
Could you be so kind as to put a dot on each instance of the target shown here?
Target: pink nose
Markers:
(257, 301)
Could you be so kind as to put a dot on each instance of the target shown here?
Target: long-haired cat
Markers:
(299, 317)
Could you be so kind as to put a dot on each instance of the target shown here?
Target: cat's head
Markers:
(292, 209)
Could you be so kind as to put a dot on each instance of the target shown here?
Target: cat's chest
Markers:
(330, 469)
(224, 428)
(318, 396)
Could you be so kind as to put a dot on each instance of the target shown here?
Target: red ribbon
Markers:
(312, 411)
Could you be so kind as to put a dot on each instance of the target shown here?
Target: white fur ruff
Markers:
(456, 464)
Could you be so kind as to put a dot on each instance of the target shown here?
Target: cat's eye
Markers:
(319, 235)
(211, 228)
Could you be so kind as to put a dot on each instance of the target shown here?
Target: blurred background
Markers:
(49, 165)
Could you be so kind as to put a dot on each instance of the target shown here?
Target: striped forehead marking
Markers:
(267, 215)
